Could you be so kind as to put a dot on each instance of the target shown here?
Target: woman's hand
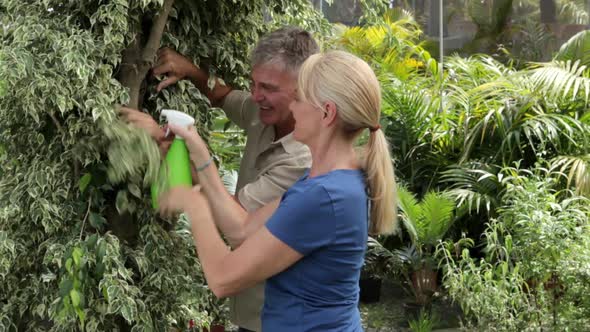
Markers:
(181, 198)
(197, 148)
(142, 120)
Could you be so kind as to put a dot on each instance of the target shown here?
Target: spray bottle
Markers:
(176, 168)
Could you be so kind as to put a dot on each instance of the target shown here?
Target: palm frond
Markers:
(543, 128)
(410, 212)
(562, 79)
(576, 48)
(428, 220)
(573, 12)
(474, 186)
(577, 169)
(437, 209)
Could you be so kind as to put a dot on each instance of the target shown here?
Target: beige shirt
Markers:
(268, 168)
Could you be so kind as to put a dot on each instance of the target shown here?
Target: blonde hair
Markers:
(350, 83)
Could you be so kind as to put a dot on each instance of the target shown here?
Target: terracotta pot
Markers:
(215, 328)
(424, 282)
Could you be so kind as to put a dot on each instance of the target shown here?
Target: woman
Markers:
(309, 245)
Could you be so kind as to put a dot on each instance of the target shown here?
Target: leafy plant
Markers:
(424, 323)
(80, 246)
(522, 282)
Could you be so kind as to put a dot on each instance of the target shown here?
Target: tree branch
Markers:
(138, 60)
(86, 216)
(156, 32)
(129, 74)
(57, 124)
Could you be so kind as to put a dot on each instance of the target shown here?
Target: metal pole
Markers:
(441, 50)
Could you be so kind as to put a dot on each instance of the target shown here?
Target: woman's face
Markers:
(307, 120)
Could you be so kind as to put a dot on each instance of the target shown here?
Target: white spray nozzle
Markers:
(177, 118)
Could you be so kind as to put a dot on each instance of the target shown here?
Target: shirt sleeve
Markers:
(271, 184)
(239, 108)
(304, 220)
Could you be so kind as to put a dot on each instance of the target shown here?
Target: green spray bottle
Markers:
(176, 168)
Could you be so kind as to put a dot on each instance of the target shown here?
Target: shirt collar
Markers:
(289, 143)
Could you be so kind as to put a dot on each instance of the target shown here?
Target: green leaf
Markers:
(134, 190)
(65, 286)
(121, 202)
(75, 296)
(77, 255)
(69, 265)
(82, 315)
(84, 181)
(96, 220)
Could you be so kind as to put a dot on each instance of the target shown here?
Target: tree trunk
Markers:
(548, 11)
(137, 60)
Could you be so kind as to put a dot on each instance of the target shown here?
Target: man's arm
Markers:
(177, 67)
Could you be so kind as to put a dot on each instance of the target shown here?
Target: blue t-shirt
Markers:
(325, 219)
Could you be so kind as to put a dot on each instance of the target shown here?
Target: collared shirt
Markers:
(268, 168)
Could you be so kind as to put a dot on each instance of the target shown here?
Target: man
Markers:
(272, 159)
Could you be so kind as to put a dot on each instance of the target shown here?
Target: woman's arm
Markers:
(227, 272)
(232, 219)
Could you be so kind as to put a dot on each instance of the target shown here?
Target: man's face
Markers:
(273, 89)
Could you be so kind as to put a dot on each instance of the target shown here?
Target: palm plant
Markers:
(566, 83)
(512, 115)
(573, 11)
(392, 47)
(476, 186)
(410, 117)
(426, 223)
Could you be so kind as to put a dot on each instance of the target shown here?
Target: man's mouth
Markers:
(265, 108)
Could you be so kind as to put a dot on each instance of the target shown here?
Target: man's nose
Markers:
(257, 96)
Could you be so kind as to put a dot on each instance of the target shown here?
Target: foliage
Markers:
(488, 115)
(391, 46)
(425, 322)
(577, 47)
(80, 247)
(426, 221)
(535, 265)
(380, 262)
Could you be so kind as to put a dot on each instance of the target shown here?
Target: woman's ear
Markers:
(330, 113)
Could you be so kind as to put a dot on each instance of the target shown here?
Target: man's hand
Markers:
(144, 121)
(175, 66)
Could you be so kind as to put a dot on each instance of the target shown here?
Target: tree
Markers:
(80, 246)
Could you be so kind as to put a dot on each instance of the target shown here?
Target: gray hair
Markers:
(289, 47)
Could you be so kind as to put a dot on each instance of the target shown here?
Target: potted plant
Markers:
(426, 222)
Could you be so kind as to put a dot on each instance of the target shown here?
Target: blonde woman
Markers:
(310, 244)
